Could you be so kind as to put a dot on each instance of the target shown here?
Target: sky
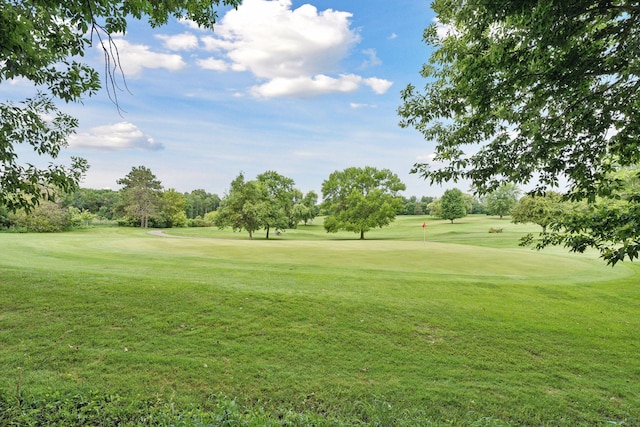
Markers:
(304, 88)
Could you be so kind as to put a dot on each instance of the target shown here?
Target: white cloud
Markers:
(134, 57)
(190, 24)
(184, 41)
(307, 86)
(427, 158)
(393, 36)
(118, 136)
(379, 86)
(356, 105)
(296, 51)
(372, 58)
(213, 64)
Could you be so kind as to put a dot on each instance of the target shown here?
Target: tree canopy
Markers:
(243, 207)
(141, 193)
(538, 209)
(278, 206)
(531, 92)
(453, 205)
(502, 200)
(359, 199)
(42, 42)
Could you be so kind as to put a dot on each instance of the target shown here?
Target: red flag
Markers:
(424, 225)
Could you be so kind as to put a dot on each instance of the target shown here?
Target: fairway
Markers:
(448, 324)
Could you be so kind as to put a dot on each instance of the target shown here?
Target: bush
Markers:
(495, 230)
(199, 222)
(47, 217)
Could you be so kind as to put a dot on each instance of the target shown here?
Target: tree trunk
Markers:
(267, 233)
(361, 234)
(250, 235)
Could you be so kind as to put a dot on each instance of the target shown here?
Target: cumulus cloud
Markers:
(118, 136)
(296, 51)
(379, 86)
(135, 57)
(307, 86)
(184, 41)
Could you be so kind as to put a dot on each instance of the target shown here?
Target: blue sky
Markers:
(302, 88)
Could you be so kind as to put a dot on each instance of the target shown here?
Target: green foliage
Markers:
(42, 42)
(46, 217)
(359, 199)
(435, 208)
(102, 203)
(518, 91)
(539, 209)
(307, 209)
(172, 209)
(244, 207)
(22, 186)
(453, 205)
(269, 202)
(200, 203)
(610, 224)
(502, 200)
(141, 194)
(279, 202)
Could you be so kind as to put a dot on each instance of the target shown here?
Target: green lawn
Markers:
(450, 324)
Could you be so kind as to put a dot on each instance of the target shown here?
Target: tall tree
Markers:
(502, 200)
(141, 194)
(453, 205)
(359, 199)
(535, 89)
(41, 42)
(243, 207)
(278, 202)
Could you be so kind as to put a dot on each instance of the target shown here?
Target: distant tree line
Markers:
(355, 199)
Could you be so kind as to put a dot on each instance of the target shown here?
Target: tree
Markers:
(307, 209)
(244, 207)
(538, 209)
(453, 205)
(172, 209)
(435, 208)
(41, 42)
(46, 217)
(141, 194)
(502, 200)
(200, 203)
(102, 203)
(524, 90)
(359, 199)
(583, 225)
(278, 203)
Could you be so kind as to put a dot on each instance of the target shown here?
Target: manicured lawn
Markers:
(455, 325)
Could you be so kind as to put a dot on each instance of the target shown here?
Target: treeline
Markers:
(355, 199)
(143, 202)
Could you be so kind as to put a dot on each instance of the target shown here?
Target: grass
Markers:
(453, 326)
